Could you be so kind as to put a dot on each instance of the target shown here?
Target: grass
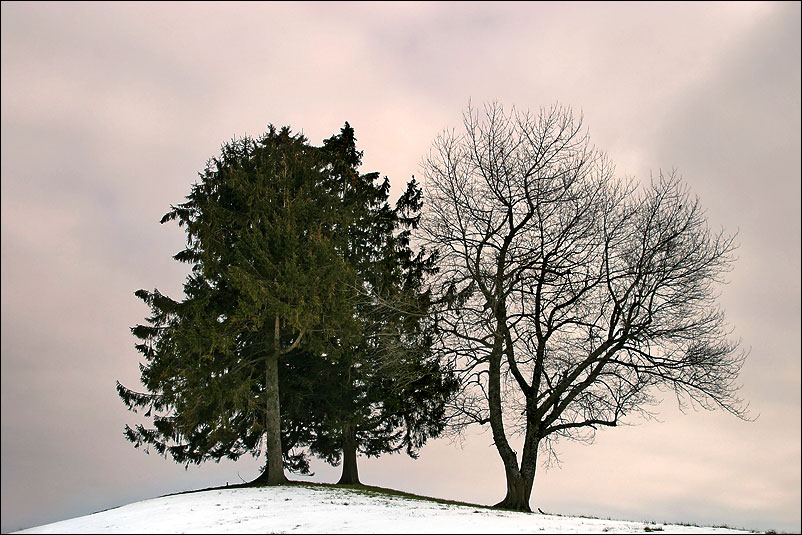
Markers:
(367, 490)
(370, 490)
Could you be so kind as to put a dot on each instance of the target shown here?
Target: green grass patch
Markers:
(366, 490)
(370, 490)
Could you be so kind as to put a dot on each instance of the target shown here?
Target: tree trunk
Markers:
(517, 498)
(518, 491)
(350, 475)
(528, 467)
(275, 460)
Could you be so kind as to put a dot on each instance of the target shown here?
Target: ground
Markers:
(309, 508)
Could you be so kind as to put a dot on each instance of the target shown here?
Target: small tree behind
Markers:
(386, 389)
(571, 296)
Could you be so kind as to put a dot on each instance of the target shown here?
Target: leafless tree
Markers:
(570, 296)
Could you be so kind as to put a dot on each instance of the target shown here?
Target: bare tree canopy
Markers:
(570, 296)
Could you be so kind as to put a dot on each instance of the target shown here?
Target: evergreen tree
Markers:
(304, 321)
(391, 390)
(262, 228)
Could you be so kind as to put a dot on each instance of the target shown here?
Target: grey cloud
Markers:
(109, 110)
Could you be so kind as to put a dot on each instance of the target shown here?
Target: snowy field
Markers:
(321, 509)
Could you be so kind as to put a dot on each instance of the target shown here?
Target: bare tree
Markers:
(570, 296)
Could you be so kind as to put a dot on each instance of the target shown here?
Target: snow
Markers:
(324, 509)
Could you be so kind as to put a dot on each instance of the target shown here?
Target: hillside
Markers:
(327, 509)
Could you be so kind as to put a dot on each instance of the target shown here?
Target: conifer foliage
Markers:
(391, 388)
(262, 226)
(304, 321)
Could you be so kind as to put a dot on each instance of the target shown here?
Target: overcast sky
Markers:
(110, 110)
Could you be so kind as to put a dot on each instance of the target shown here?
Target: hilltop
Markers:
(316, 508)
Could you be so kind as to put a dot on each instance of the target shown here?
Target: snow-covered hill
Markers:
(326, 509)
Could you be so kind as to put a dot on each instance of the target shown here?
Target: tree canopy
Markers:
(392, 388)
(304, 322)
(570, 296)
(262, 230)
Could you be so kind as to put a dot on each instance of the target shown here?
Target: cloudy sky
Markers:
(110, 110)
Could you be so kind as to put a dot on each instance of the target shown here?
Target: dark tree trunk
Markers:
(275, 460)
(520, 482)
(529, 458)
(350, 475)
(517, 498)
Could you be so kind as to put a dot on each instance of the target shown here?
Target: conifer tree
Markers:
(391, 390)
(304, 321)
(262, 228)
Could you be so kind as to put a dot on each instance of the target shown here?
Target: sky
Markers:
(109, 111)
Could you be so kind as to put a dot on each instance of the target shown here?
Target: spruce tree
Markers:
(304, 323)
(391, 390)
(267, 279)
